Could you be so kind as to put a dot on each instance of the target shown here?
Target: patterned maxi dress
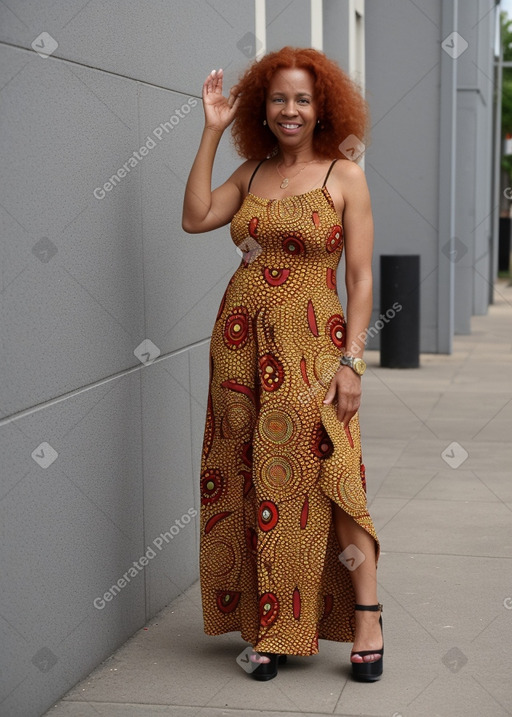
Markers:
(274, 457)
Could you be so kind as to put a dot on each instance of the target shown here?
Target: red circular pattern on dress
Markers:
(212, 486)
(228, 600)
(253, 227)
(271, 372)
(335, 238)
(335, 328)
(269, 609)
(268, 515)
(236, 328)
(294, 244)
(321, 445)
(275, 277)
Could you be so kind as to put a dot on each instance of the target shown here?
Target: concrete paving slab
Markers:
(499, 482)
(456, 485)
(446, 527)
(114, 710)
(405, 482)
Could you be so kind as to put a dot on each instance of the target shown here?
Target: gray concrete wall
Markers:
(84, 282)
(336, 31)
(404, 56)
(474, 148)
(476, 80)
(402, 82)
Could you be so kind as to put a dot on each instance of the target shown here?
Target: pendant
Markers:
(284, 183)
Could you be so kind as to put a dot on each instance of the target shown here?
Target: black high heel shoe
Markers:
(369, 671)
(268, 670)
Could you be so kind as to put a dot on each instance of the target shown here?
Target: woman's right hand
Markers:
(219, 111)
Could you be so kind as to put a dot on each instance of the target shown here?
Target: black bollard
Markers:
(504, 244)
(400, 311)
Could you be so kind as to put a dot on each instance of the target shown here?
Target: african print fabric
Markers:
(274, 456)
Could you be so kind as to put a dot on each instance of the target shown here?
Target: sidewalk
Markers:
(438, 455)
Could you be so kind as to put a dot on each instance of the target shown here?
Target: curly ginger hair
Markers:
(342, 109)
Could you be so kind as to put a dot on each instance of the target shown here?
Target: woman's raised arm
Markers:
(204, 210)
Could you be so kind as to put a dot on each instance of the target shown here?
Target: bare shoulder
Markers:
(345, 170)
(350, 181)
(347, 185)
(242, 175)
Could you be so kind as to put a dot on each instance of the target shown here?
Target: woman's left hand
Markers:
(345, 386)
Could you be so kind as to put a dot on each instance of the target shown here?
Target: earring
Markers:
(265, 122)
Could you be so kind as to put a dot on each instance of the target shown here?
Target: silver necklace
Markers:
(286, 180)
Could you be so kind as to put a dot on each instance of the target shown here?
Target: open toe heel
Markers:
(268, 670)
(369, 671)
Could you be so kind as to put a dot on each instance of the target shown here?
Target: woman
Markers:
(288, 549)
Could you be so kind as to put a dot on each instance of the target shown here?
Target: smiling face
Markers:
(291, 108)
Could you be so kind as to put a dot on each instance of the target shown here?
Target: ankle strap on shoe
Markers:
(371, 608)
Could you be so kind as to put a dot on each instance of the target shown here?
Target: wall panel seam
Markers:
(95, 384)
(101, 69)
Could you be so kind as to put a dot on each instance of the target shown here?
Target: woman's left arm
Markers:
(358, 232)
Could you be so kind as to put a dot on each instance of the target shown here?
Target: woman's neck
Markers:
(301, 156)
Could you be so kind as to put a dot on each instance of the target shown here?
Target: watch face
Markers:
(359, 366)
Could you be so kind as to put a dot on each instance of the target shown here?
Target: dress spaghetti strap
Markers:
(329, 171)
(253, 174)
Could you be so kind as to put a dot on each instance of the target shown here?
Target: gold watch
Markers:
(356, 364)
